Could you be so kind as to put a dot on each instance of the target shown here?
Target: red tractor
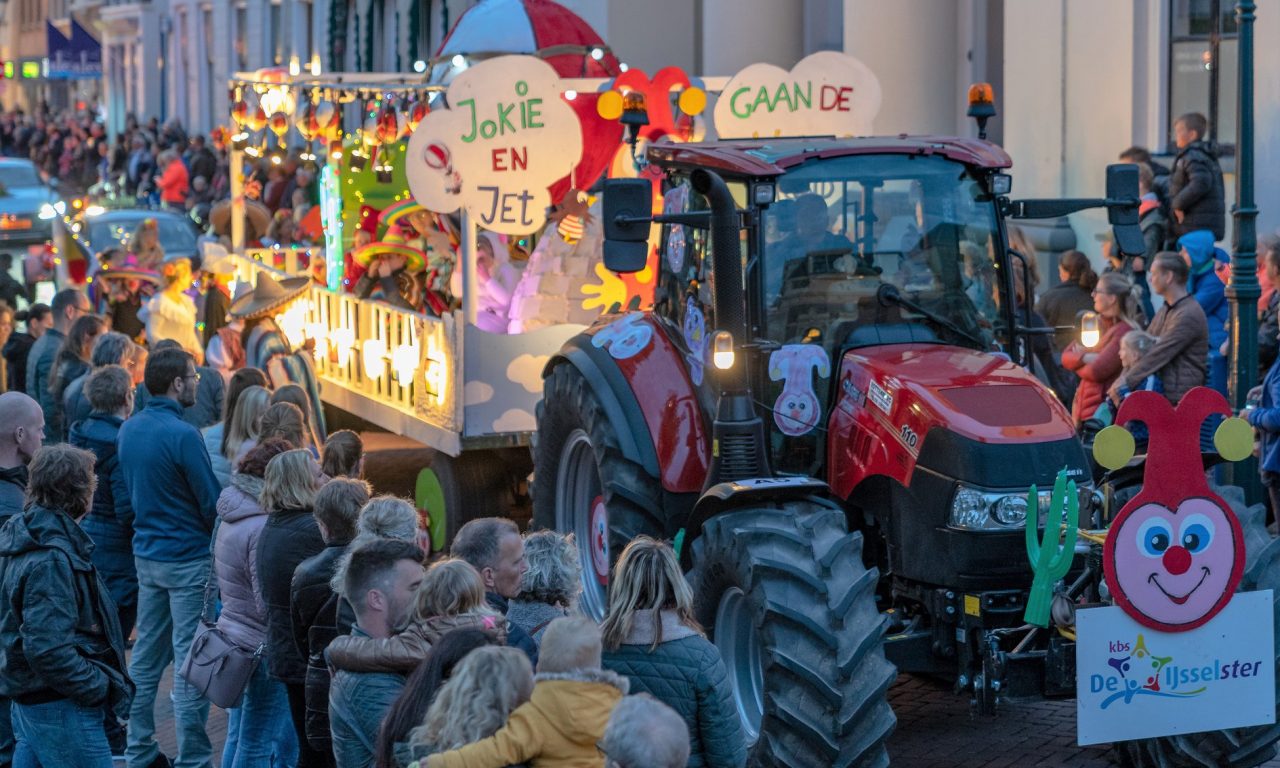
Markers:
(828, 410)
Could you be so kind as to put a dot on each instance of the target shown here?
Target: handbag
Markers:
(215, 665)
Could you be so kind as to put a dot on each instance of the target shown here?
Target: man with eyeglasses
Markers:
(68, 305)
(644, 733)
(174, 494)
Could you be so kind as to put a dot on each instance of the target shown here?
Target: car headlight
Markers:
(47, 211)
(975, 509)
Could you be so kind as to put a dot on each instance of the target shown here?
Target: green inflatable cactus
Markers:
(1049, 560)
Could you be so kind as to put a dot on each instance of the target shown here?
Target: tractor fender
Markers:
(738, 494)
(644, 381)
(615, 397)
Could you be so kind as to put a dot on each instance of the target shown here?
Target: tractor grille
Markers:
(739, 457)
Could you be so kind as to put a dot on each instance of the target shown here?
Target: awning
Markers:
(78, 57)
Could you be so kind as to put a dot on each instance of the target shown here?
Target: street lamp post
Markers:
(1243, 292)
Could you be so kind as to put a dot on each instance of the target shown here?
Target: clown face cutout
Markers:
(1175, 568)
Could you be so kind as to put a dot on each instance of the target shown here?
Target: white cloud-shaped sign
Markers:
(826, 93)
(506, 137)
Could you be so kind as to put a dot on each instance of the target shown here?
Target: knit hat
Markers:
(570, 644)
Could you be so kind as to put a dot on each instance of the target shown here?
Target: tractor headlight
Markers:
(975, 509)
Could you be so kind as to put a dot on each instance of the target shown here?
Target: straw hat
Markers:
(125, 267)
(268, 296)
(414, 259)
(257, 218)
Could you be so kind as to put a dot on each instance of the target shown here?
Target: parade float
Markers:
(797, 359)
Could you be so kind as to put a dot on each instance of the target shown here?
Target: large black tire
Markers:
(583, 484)
(785, 595)
(1238, 747)
(473, 485)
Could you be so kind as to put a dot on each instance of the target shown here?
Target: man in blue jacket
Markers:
(174, 494)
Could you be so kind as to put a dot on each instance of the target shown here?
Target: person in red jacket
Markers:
(173, 181)
(1117, 302)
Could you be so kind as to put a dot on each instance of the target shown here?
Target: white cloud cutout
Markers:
(507, 136)
(477, 393)
(526, 370)
(515, 420)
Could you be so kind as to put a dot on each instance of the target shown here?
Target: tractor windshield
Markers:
(842, 228)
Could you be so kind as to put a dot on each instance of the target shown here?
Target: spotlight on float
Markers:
(1090, 331)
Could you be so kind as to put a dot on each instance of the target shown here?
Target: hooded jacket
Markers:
(404, 651)
(1196, 189)
(289, 537)
(1205, 285)
(558, 726)
(686, 673)
(110, 521)
(58, 629)
(235, 559)
(13, 491)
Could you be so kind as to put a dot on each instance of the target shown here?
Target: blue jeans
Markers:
(170, 597)
(260, 732)
(59, 734)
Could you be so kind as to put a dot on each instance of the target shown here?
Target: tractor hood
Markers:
(977, 395)
(906, 403)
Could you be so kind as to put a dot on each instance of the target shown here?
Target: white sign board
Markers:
(826, 93)
(506, 136)
(1135, 683)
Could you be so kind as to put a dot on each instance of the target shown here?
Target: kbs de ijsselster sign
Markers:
(506, 136)
(826, 93)
(1133, 682)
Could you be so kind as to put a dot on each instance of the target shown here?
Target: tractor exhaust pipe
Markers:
(738, 451)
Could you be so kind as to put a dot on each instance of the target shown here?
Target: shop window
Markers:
(1202, 75)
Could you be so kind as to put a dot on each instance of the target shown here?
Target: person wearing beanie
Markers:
(564, 719)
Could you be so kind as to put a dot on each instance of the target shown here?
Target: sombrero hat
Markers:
(128, 272)
(392, 216)
(414, 259)
(268, 296)
(257, 218)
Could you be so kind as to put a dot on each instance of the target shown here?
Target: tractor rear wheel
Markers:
(788, 602)
(1236, 747)
(584, 485)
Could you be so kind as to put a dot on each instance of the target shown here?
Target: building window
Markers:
(1202, 75)
(241, 38)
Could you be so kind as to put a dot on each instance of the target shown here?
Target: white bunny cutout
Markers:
(797, 411)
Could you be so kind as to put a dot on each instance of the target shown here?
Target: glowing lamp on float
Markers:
(404, 361)
(374, 352)
(343, 340)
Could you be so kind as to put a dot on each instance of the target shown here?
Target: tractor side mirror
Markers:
(627, 210)
(1122, 208)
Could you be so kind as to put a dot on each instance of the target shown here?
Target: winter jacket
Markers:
(235, 559)
(39, 365)
(1096, 377)
(75, 402)
(171, 485)
(289, 537)
(532, 617)
(17, 350)
(206, 410)
(213, 444)
(559, 725)
(313, 619)
(1180, 354)
(1210, 293)
(1266, 419)
(516, 637)
(358, 702)
(13, 491)
(59, 632)
(110, 521)
(1155, 227)
(1060, 306)
(686, 673)
(68, 372)
(1269, 333)
(404, 651)
(1195, 188)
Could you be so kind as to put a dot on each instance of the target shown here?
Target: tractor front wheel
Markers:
(788, 602)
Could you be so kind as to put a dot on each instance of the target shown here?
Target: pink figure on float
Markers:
(797, 410)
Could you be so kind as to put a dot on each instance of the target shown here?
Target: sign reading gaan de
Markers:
(506, 137)
(827, 93)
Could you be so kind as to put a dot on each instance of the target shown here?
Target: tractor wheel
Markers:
(455, 490)
(1237, 747)
(584, 485)
(788, 602)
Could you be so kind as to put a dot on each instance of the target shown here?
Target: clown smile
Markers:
(1180, 600)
